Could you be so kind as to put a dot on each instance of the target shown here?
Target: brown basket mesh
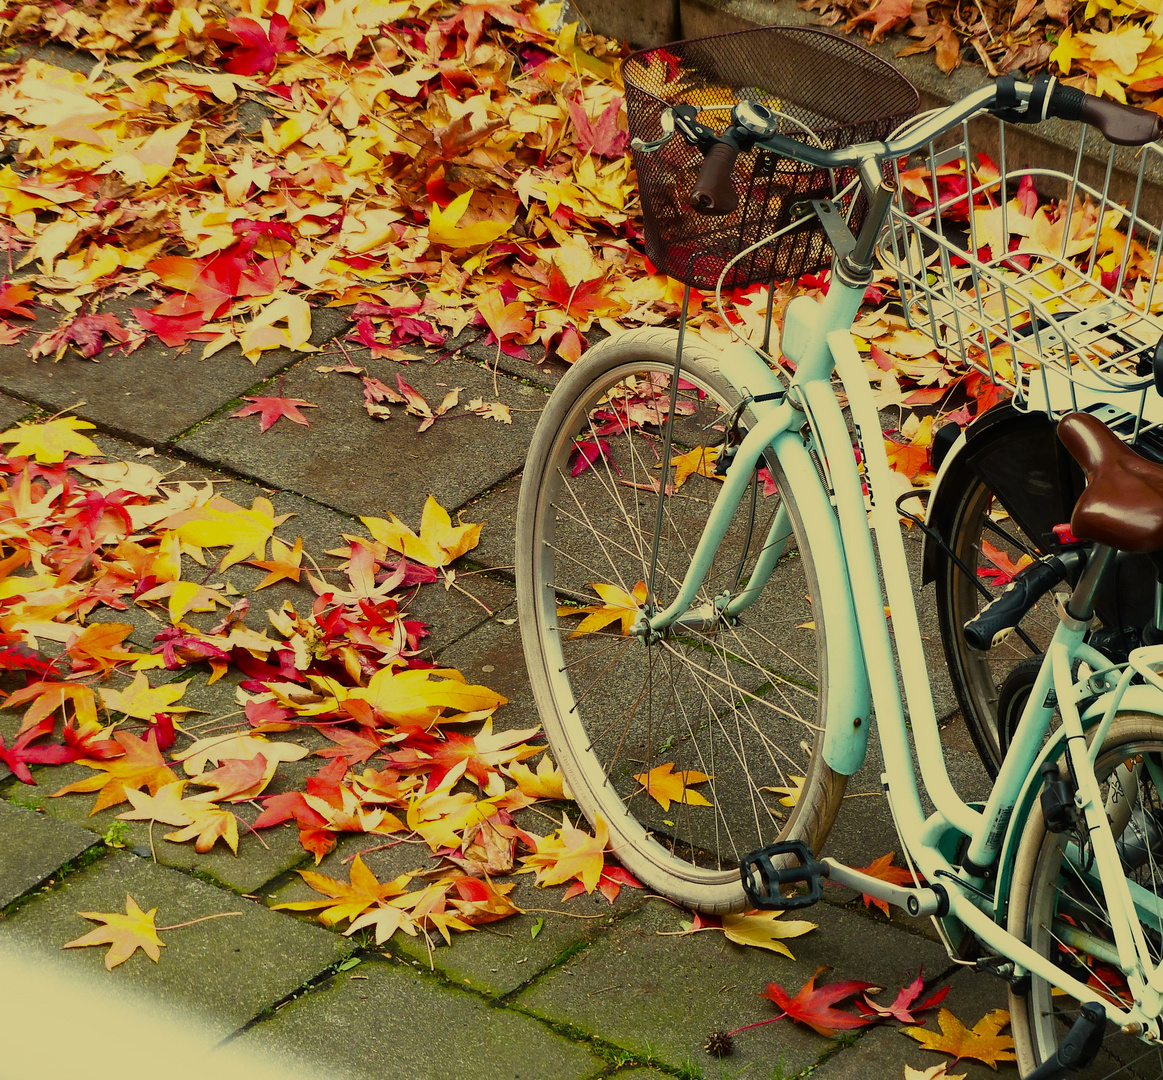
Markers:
(839, 90)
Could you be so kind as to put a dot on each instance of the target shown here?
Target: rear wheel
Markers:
(699, 747)
(1058, 908)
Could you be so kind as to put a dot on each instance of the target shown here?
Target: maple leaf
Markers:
(439, 542)
(221, 523)
(14, 297)
(142, 765)
(618, 605)
(284, 564)
(902, 1007)
(815, 1007)
(142, 701)
(208, 825)
(697, 462)
(665, 786)
(570, 852)
(50, 441)
(882, 868)
(237, 779)
(271, 408)
(789, 793)
(506, 321)
(884, 16)
(125, 934)
(1004, 569)
(983, 1042)
(21, 755)
(258, 47)
(96, 648)
(444, 228)
(347, 900)
(167, 806)
(238, 746)
(546, 783)
(765, 930)
(935, 1072)
(86, 333)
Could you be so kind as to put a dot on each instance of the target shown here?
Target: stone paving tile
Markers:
(664, 995)
(380, 1019)
(154, 394)
(498, 507)
(33, 847)
(11, 410)
(221, 970)
(363, 466)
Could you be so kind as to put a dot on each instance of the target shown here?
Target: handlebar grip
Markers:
(714, 192)
(993, 623)
(1125, 125)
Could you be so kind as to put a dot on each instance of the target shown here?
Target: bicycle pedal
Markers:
(763, 881)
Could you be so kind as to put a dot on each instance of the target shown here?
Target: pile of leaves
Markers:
(406, 750)
(1107, 47)
(430, 165)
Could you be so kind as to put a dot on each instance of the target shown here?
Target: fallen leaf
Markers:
(125, 934)
(983, 1042)
(271, 408)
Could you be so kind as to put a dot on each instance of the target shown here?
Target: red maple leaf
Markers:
(83, 332)
(602, 137)
(814, 1007)
(21, 755)
(258, 47)
(573, 300)
(902, 1007)
(272, 408)
(609, 884)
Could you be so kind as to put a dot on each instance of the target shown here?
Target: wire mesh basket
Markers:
(827, 89)
(1038, 277)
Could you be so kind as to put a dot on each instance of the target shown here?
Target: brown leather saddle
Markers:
(1122, 505)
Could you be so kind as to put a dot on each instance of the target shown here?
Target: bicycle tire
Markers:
(980, 678)
(740, 705)
(1047, 896)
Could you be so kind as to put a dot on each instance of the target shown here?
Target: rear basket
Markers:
(838, 90)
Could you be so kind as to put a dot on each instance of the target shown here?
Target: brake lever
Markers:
(666, 121)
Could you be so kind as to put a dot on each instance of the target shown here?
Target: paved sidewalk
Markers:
(601, 990)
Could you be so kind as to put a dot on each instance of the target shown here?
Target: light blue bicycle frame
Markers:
(817, 338)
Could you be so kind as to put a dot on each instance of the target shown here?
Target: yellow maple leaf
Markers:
(443, 227)
(346, 900)
(439, 541)
(546, 783)
(140, 700)
(982, 1042)
(221, 523)
(167, 806)
(414, 697)
(49, 442)
(765, 930)
(208, 824)
(665, 786)
(568, 853)
(619, 604)
(697, 462)
(284, 562)
(125, 934)
(1121, 46)
(791, 792)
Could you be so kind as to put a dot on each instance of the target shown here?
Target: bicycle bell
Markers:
(759, 120)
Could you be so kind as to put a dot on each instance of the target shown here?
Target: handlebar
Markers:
(1012, 100)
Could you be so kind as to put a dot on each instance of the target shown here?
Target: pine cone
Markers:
(720, 1043)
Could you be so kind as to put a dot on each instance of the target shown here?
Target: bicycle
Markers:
(733, 639)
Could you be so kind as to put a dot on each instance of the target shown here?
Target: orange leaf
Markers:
(982, 1042)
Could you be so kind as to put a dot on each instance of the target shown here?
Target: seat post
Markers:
(1080, 606)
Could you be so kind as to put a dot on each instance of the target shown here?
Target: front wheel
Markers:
(699, 747)
(1057, 905)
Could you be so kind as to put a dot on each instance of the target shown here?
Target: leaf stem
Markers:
(219, 915)
(758, 1023)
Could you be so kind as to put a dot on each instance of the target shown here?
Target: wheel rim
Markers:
(1066, 903)
(736, 704)
(979, 676)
